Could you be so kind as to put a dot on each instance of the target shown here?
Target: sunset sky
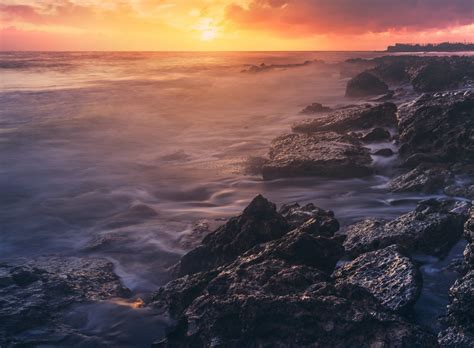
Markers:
(185, 25)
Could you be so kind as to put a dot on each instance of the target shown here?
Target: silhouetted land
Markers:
(441, 47)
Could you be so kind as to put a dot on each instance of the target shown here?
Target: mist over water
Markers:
(118, 154)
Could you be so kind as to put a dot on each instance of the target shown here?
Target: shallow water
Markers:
(118, 154)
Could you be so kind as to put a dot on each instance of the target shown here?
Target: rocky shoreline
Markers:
(295, 276)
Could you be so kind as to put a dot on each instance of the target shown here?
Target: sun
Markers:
(209, 34)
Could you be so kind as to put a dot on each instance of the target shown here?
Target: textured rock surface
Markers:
(259, 223)
(432, 228)
(315, 108)
(297, 215)
(280, 294)
(33, 292)
(326, 155)
(365, 84)
(350, 119)
(441, 125)
(384, 152)
(388, 275)
(422, 179)
(376, 134)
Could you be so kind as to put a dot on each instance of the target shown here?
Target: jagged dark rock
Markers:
(280, 294)
(388, 275)
(315, 108)
(432, 228)
(384, 152)
(323, 154)
(440, 125)
(352, 118)
(365, 84)
(376, 134)
(259, 223)
(426, 179)
(297, 215)
(34, 292)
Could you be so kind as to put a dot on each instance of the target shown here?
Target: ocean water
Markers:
(117, 155)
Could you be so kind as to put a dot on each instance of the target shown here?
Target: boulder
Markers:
(280, 294)
(297, 215)
(350, 119)
(326, 155)
(315, 108)
(365, 84)
(34, 292)
(440, 125)
(432, 228)
(258, 223)
(376, 134)
(388, 275)
(426, 179)
(384, 152)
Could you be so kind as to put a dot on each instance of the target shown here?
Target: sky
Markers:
(230, 25)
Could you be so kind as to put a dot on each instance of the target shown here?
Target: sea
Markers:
(120, 155)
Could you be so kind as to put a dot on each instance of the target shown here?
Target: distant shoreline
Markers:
(441, 47)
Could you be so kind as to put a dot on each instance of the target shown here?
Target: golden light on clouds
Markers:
(229, 24)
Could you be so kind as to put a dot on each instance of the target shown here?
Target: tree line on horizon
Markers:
(441, 47)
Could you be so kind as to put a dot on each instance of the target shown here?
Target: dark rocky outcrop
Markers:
(384, 152)
(280, 293)
(353, 118)
(365, 84)
(322, 154)
(315, 108)
(259, 223)
(426, 179)
(441, 125)
(297, 215)
(34, 292)
(432, 228)
(388, 275)
(376, 134)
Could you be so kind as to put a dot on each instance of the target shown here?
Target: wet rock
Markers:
(351, 118)
(259, 223)
(34, 292)
(365, 84)
(376, 134)
(280, 294)
(441, 73)
(384, 152)
(455, 337)
(432, 228)
(422, 179)
(388, 275)
(392, 71)
(315, 108)
(297, 215)
(325, 155)
(459, 190)
(440, 125)
(469, 235)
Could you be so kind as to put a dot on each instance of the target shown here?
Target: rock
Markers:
(315, 108)
(34, 292)
(440, 125)
(376, 134)
(432, 228)
(385, 97)
(441, 73)
(389, 276)
(459, 190)
(422, 179)
(365, 84)
(460, 311)
(351, 118)
(393, 71)
(455, 337)
(384, 152)
(280, 294)
(469, 235)
(259, 223)
(296, 216)
(325, 155)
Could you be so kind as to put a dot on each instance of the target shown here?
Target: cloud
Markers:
(310, 17)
